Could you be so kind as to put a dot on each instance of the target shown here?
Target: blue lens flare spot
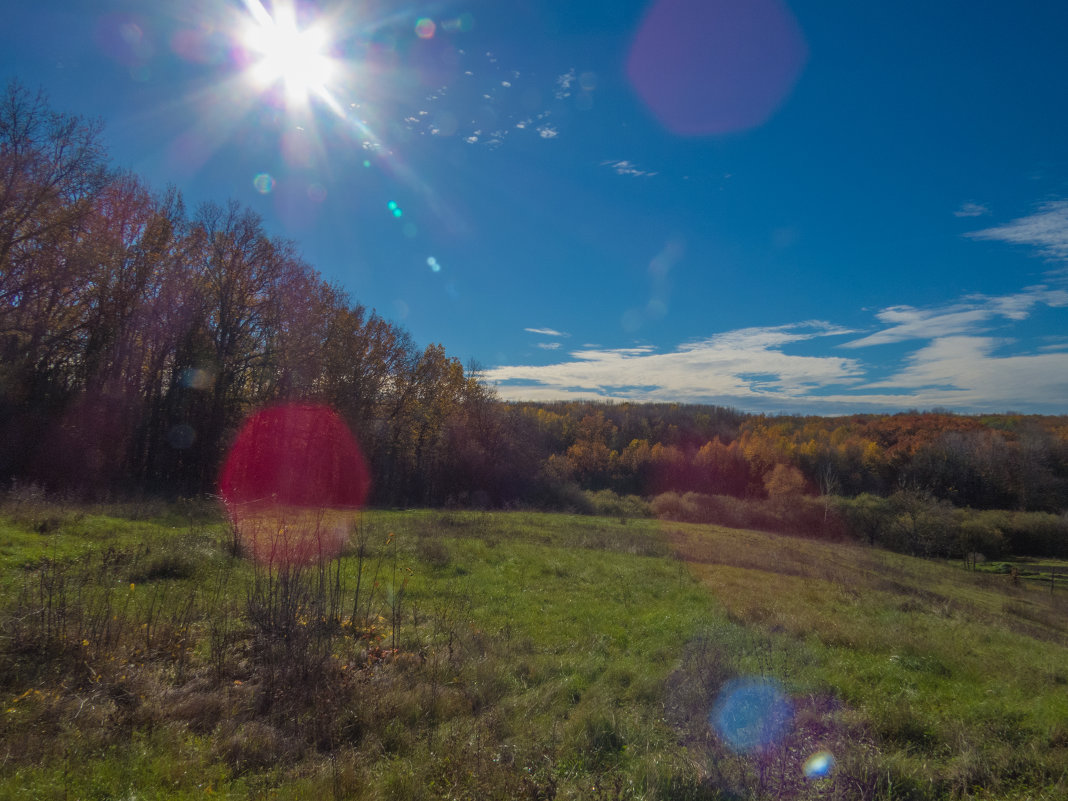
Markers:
(433, 264)
(751, 714)
(818, 765)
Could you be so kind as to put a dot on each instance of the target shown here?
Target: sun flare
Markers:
(297, 58)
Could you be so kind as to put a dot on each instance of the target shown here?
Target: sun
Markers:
(284, 53)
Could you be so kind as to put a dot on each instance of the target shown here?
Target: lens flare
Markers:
(461, 24)
(264, 183)
(425, 28)
(716, 66)
(433, 264)
(751, 714)
(818, 765)
(195, 378)
(291, 483)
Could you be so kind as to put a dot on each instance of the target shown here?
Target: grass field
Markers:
(471, 655)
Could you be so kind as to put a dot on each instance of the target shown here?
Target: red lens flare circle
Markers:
(290, 484)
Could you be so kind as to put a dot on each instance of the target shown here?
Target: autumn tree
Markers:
(52, 168)
(784, 482)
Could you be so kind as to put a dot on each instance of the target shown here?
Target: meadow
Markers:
(475, 655)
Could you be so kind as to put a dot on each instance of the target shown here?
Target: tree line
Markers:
(1003, 461)
(928, 484)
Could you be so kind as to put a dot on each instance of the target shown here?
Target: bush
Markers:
(981, 535)
(800, 515)
(1036, 533)
(672, 506)
(608, 504)
(433, 552)
(561, 496)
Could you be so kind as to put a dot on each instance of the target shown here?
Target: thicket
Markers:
(911, 522)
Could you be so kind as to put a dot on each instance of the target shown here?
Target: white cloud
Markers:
(1018, 306)
(493, 84)
(1046, 230)
(548, 345)
(973, 314)
(971, 210)
(546, 332)
(747, 364)
(759, 369)
(563, 84)
(624, 167)
(906, 322)
(963, 372)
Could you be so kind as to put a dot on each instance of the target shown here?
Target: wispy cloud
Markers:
(1046, 230)
(744, 364)
(624, 167)
(489, 104)
(563, 84)
(964, 372)
(761, 369)
(546, 332)
(972, 314)
(548, 345)
(971, 210)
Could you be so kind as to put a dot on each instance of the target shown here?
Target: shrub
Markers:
(981, 535)
(1036, 533)
(561, 496)
(799, 515)
(608, 504)
(672, 506)
(433, 552)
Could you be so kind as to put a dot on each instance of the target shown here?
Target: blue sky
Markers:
(810, 207)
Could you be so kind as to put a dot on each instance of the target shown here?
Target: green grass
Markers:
(512, 655)
(960, 677)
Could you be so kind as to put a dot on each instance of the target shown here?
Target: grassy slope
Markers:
(540, 656)
(960, 678)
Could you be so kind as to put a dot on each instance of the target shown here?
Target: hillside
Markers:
(517, 655)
